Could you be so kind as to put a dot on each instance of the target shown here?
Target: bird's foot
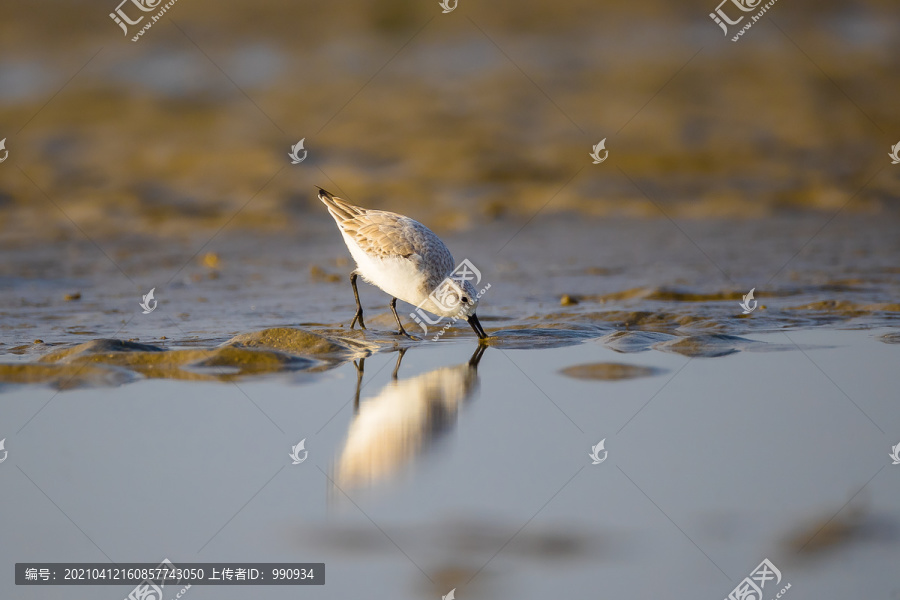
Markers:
(403, 332)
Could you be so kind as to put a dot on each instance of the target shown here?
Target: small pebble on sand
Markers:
(210, 260)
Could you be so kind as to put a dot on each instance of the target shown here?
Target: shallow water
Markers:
(449, 465)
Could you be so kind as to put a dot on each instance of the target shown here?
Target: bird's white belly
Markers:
(396, 276)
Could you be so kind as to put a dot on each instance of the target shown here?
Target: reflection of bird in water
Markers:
(403, 420)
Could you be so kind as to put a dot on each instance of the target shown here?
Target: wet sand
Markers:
(635, 284)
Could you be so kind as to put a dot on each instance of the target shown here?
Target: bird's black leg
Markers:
(401, 331)
(358, 316)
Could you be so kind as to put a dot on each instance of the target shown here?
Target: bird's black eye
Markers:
(465, 300)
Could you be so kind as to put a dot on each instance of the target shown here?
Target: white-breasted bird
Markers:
(403, 258)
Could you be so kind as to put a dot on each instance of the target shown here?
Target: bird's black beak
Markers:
(476, 325)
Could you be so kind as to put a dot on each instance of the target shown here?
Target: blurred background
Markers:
(481, 114)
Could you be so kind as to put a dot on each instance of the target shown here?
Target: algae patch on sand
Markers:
(302, 342)
(110, 362)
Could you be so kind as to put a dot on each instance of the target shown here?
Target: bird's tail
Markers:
(340, 210)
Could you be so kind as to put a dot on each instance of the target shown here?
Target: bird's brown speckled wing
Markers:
(384, 234)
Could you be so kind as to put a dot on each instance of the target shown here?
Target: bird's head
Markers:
(454, 298)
